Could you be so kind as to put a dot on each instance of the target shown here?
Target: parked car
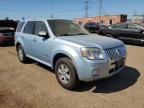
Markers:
(93, 27)
(129, 32)
(7, 30)
(73, 53)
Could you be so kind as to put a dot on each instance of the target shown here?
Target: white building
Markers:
(138, 19)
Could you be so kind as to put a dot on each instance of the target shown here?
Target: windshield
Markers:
(141, 24)
(66, 28)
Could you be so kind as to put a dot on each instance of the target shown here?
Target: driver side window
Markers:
(40, 26)
(120, 26)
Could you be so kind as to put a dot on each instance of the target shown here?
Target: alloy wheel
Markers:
(64, 74)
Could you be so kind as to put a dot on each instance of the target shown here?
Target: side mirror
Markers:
(142, 31)
(109, 27)
(43, 34)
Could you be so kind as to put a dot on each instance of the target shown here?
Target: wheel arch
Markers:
(58, 56)
(109, 34)
(17, 44)
(71, 54)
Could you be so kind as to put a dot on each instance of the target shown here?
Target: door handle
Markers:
(34, 40)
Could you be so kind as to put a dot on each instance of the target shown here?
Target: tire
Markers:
(109, 35)
(66, 73)
(100, 33)
(21, 55)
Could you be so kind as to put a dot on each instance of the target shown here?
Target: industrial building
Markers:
(105, 20)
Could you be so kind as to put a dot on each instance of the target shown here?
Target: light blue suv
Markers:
(73, 53)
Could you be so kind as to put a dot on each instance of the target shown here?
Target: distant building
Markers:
(138, 19)
(106, 20)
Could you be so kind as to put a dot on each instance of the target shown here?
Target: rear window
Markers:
(20, 26)
(7, 31)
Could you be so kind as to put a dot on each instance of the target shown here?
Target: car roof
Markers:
(127, 23)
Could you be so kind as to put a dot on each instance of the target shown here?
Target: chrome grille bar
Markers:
(112, 52)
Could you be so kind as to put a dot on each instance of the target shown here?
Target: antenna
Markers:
(86, 8)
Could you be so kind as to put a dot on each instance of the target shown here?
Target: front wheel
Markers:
(66, 73)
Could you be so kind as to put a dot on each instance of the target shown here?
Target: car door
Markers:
(119, 30)
(28, 36)
(41, 46)
(134, 32)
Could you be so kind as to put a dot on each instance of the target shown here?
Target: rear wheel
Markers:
(66, 73)
(21, 54)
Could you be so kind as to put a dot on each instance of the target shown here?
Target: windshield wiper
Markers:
(81, 34)
(66, 34)
(70, 34)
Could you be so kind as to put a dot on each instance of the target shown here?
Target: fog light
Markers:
(95, 72)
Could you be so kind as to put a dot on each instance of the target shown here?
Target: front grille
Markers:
(113, 54)
(116, 58)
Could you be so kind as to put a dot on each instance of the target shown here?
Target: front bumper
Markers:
(94, 70)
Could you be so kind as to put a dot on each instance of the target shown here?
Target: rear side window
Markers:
(29, 27)
(20, 26)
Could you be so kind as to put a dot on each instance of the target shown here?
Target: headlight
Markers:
(92, 53)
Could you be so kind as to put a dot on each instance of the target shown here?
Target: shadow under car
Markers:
(124, 79)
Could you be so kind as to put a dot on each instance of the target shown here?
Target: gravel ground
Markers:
(34, 85)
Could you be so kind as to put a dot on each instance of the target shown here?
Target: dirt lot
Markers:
(34, 85)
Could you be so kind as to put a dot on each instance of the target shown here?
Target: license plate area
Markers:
(119, 63)
(116, 65)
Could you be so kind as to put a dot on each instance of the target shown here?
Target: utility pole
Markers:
(100, 9)
(52, 10)
(86, 8)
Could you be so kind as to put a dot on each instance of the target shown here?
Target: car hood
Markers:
(93, 41)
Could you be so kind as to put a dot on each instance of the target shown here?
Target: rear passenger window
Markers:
(20, 26)
(40, 26)
(29, 27)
